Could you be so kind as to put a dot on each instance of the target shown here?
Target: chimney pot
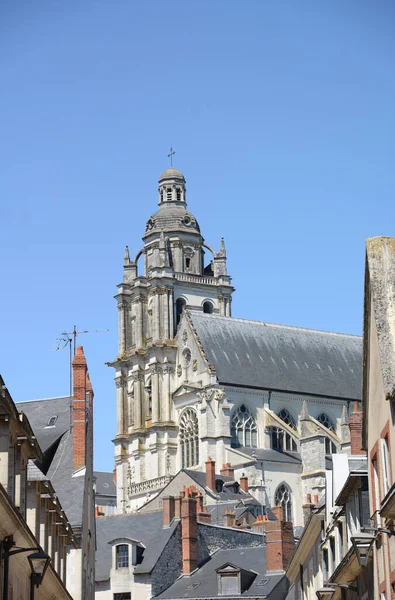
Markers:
(210, 474)
(244, 483)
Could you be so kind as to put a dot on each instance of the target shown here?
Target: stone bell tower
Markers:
(149, 307)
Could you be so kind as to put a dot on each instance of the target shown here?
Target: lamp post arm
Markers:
(19, 550)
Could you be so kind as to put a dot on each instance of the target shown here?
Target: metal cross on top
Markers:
(172, 152)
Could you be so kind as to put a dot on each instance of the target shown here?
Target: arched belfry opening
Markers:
(208, 307)
(180, 303)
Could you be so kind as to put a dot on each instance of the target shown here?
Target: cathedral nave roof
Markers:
(277, 357)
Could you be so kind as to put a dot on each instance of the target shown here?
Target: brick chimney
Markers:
(278, 512)
(189, 534)
(229, 518)
(204, 516)
(80, 379)
(210, 474)
(355, 425)
(280, 543)
(168, 510)
(258, 525)
(244, 483)
(227, 470)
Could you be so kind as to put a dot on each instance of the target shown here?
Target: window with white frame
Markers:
(243, 429)
(122, 556)
(189, 438)
(385, 460)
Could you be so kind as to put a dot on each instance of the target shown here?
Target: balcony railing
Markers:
(149, 486)
(191, 278)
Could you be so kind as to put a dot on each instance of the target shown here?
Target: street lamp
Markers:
(328, 591)
(39, 562)
(325, 593)
(363, 544)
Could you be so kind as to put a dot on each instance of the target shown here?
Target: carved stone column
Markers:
(155, 369)
(120, 385)
(171, 313)
(139, 323)
(166, 394)
(156, 316)
(138, 399)
(121, 328)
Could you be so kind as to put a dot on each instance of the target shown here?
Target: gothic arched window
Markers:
(326, 421)
(243, 429)
(189, 439)
(282, 440)
(283, 498)
(287, 418)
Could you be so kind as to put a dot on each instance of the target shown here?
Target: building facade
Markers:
(31, 516)
(378, 406)
(64, 429)
(193, 382)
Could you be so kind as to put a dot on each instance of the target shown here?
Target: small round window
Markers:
(187, 220)
(187, 356)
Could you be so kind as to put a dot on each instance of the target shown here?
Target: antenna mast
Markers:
(65, 339)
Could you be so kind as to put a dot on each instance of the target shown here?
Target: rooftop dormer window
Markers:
(52, 421)
(122, 556)
(228, 581)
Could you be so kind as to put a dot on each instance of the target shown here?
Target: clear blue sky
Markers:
(282, 117)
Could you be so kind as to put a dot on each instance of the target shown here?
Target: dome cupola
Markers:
(172, 188)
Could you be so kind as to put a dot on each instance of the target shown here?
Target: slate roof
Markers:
(269, 455)
(278, 357)
(144, 528)
(40, 411)
(203, 582)
(105, 485)
(218, 510)
(57, 444)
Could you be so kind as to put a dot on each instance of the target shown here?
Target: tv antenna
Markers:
(64, 340)
(65, 335)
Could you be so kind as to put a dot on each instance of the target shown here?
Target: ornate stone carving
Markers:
(179, 370)
(168, 370)
(120, 382)
(185, 336)
(138, 376)
(195, 365)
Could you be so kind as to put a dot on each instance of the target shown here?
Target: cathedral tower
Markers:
(149, 307)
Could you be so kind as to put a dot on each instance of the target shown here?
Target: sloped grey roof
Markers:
(40, 411)
(203, 583)
(69, 486)
(269, 455)
(218, 511)
(277, 357)
(145, 528)
(105, 485)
